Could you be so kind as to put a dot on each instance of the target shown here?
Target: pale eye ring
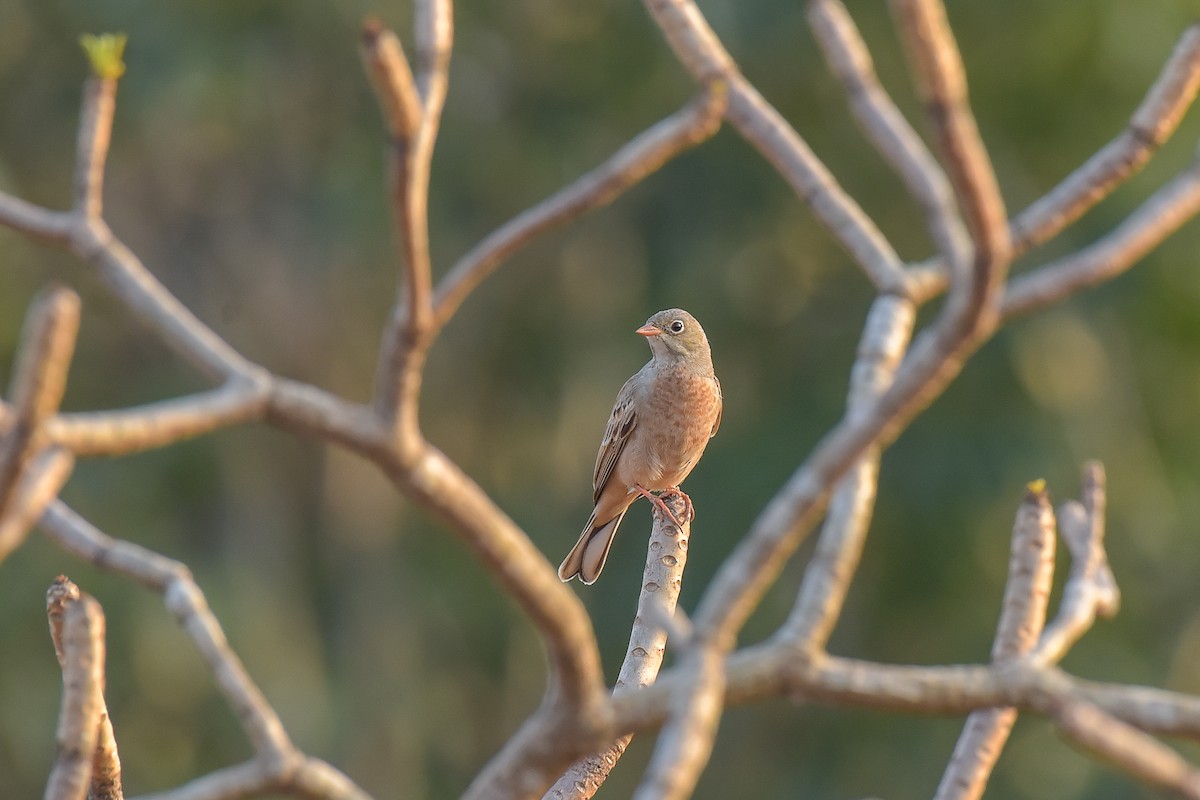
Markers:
(677, 326)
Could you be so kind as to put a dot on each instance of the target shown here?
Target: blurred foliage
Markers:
(246, 173)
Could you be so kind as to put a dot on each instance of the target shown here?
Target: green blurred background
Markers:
(246, 173)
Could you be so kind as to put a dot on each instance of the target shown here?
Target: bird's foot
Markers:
(689, 512)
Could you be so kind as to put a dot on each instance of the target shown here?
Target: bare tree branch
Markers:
(185, 601)
(40, 483)
(1126, 747)
(409, 331)
(87, 762)
(827, 578)
(95, 135)
(180, 329)
(38, 382)
(1090, 590)
(279, 764)
(35, 221)
(1151, 125)
(662, 579)
(707, 60)
(1143, 230)
(768, 671)
(941, 80)
(392, 79)
(641, 156)
(1022, 617)
(131, 430)
(850, 61)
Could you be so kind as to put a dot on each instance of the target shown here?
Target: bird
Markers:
(660, 424)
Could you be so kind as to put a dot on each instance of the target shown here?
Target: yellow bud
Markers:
(104, 54)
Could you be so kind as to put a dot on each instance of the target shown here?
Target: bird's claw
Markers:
(689, 511)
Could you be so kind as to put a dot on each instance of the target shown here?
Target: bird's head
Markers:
(675, 333)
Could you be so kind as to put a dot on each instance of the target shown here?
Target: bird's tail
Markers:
(587, 557)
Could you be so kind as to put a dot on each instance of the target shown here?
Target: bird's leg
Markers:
(659, 504)
(689, 511)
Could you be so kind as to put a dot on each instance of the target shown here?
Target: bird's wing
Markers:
(720, 408)
(620, 425)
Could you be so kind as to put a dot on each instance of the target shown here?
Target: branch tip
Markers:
(105, 54)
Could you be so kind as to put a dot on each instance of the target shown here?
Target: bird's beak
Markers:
(648, 330)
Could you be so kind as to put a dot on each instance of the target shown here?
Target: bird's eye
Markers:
(677, 326)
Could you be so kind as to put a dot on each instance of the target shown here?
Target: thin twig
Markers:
(409, 330)
(640, 157)
(1022, 617)
(1091, 590)
(91, 149)
(142, 294)
(391, 76)
(35, 221)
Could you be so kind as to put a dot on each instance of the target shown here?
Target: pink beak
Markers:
(648, 330)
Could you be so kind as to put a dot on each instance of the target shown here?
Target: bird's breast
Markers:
(675, 421)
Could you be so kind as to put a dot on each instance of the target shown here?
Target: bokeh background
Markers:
(246, 173)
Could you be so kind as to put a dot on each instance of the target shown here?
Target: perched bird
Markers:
(661, 423)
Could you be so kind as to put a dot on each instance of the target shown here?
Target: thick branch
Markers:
(1022, 616)
(662, 579)
(771, 671)
(87, 754)
(827, 578)
(1125, 747)
(38, 382)
(131, 430)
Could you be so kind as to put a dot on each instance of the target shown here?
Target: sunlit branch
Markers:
(1022, 617)
(1155, 119)
(706, 59)
(38, 382)
(1143, 230)
(639, 158)
(666, 557)
(884, 124)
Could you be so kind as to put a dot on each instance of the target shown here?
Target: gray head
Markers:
(675, 334)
